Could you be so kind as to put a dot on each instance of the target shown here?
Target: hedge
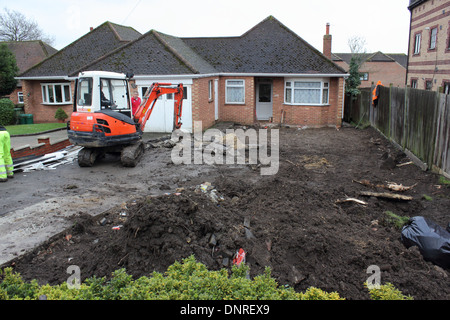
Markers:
(188, 280)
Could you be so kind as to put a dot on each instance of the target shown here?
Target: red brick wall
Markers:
(386, 72)
(312, 116)
(203, 107)
(32, 95)
(45, 148)
(239, 113)
(14, 96)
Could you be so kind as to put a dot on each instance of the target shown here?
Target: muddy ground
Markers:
(145, 218)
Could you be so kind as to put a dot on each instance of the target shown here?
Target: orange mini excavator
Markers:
(102, 120)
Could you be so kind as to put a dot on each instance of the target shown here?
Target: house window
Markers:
(446, 88)
(84, 97)
(428, 85)
(433, 38)
(235, 91)
(417, 40)
(364, 76)
(20, 97)
(56, 93)
(210, 90)
(414, 83)
(306, 92)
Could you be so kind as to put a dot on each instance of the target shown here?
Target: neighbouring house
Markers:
(47, 85)
(429, 45)
(27, 54)
(267, 74)
(389, 68)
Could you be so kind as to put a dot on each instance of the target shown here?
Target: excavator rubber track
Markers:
(87, 156)
(132, 154)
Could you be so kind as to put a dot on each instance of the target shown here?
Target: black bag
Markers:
(433, 240)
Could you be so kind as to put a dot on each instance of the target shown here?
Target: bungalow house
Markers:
(267, 74)
(27, 54)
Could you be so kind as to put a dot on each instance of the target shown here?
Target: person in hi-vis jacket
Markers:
(376, 93)
(6, 162)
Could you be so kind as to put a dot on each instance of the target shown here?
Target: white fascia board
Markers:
(284, 75)
(146, 80)
(45, 78)
(219, 74)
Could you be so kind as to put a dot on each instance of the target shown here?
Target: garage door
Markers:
(161, 119)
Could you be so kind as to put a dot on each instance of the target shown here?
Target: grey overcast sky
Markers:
(384, 24)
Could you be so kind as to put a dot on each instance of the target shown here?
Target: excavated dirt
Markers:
(290, 221)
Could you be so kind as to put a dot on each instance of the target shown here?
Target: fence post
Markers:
(390, 111)
(405, 118)
(371, 110)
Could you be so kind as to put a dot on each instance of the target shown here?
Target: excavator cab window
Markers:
(114, 95)
(84, 97)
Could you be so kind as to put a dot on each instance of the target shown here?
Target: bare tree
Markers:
(357, 44)
(14, 26)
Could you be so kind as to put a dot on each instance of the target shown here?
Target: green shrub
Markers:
(60, 114)
(188, 280)
(12, 287)
(397, 221)
(7, 115)
(387, 292)
(444, 181)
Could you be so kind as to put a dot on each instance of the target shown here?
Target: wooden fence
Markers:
(416, 120)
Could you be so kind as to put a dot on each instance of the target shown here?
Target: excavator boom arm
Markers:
(149, 100)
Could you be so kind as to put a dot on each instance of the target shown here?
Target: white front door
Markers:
(264, 103)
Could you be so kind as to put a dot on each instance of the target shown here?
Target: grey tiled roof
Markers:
(400, 58)
(187, 54)
(144, 56)
(86, 49)
(269, 47)
(29, 53)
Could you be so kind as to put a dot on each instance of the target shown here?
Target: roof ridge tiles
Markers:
(174, 51)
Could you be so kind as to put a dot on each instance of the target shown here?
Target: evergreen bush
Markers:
(7, 115)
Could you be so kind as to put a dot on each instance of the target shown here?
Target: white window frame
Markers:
(20, 97)
(324, 89)
(417, 41)
(229, 85)
(45, 89)
(364, 76)
(210, 90)
(433, 38)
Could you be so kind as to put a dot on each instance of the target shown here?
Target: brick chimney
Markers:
(327, 43)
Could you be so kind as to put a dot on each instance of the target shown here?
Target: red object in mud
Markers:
(239, 257)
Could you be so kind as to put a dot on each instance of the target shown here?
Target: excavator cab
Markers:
(103, 91)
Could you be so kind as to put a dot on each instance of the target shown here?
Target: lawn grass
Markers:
(33, 128)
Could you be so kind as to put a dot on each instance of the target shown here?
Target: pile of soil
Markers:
(291, 222)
